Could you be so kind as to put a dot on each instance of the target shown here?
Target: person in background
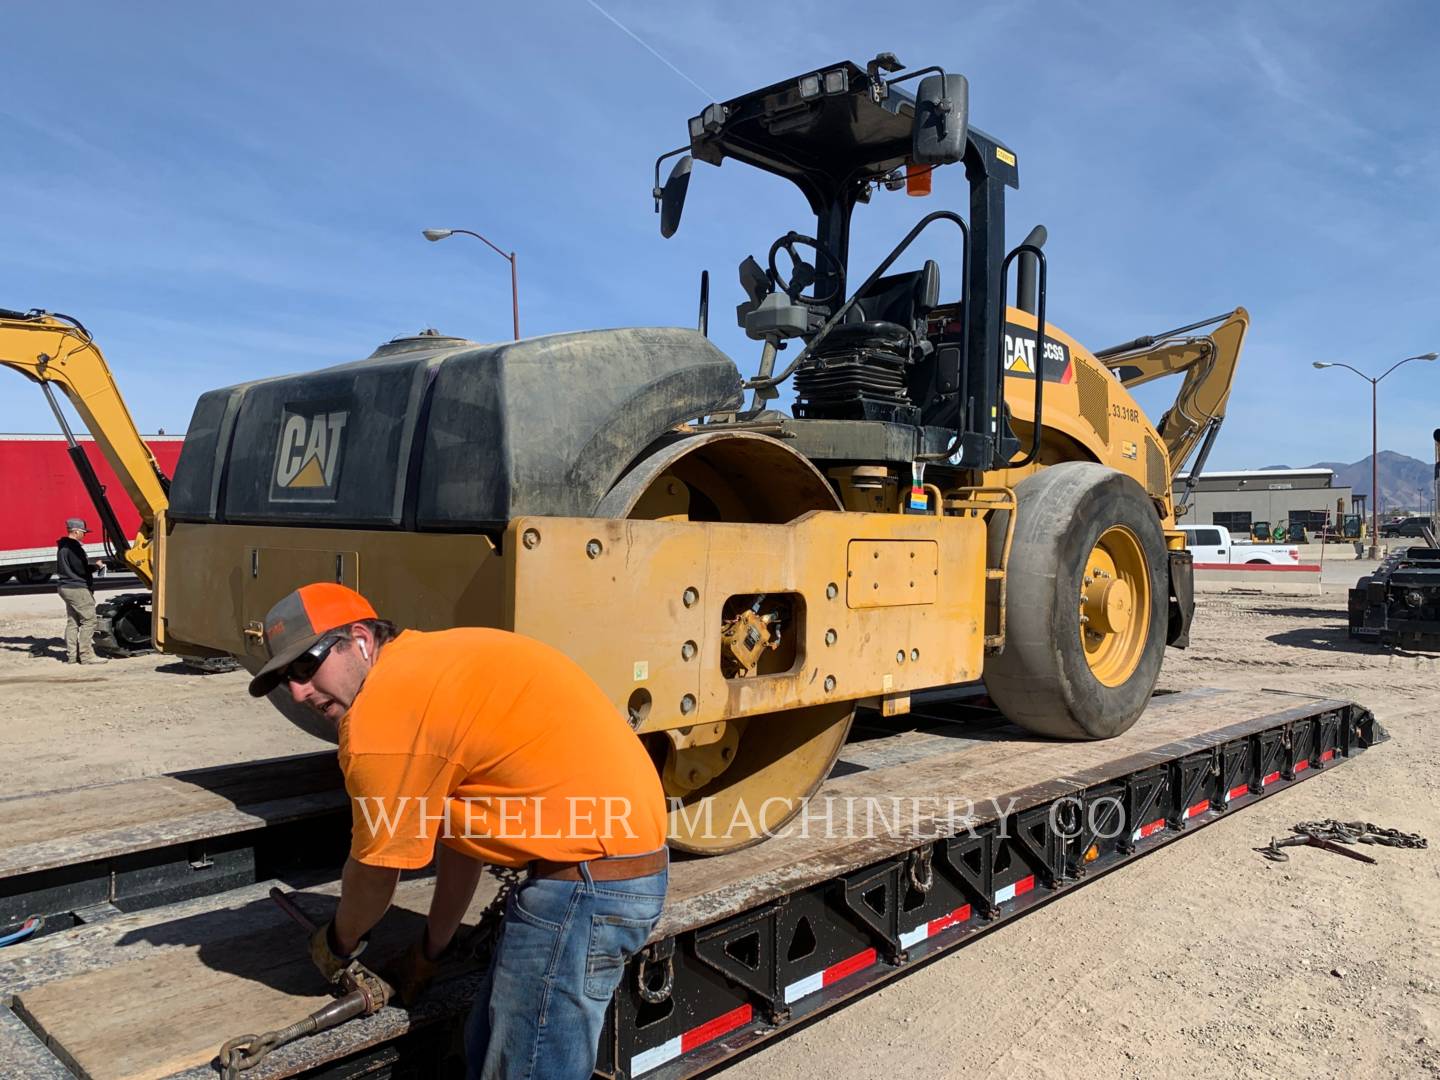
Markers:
(77, 589)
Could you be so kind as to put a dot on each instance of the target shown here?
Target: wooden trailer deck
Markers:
(153, 993)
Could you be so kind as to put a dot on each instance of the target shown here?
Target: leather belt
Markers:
(609, 868)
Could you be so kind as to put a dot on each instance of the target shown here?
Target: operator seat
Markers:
(859, 370)
(890, 316)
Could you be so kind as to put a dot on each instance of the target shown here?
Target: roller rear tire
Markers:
(1086, 611)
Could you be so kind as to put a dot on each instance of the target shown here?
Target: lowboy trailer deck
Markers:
(921, 841)
(1398, 603)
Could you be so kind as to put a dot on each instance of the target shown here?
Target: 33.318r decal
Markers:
(1125, 412)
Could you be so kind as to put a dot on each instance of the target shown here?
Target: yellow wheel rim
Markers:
(1115, 606)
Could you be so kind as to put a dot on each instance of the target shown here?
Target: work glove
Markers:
(410, 973)
(327, 958)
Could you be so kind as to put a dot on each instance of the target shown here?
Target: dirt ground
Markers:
(1203, 959)
(67, 725)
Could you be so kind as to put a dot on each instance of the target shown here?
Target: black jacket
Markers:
(72, 565)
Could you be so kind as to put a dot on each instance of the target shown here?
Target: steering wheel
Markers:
(802, 274)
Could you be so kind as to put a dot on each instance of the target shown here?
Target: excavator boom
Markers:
(57, 351)
(1208, 363)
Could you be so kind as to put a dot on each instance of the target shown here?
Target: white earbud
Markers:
(363, 651)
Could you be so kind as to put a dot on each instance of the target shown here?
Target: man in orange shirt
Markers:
(504, 750)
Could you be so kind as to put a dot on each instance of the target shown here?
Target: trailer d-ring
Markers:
(642, 973)
(1067, 817)
(920, 862)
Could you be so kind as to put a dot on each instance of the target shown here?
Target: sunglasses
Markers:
(303, 668)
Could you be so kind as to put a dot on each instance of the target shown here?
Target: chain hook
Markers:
(654, 995)
(921, 863)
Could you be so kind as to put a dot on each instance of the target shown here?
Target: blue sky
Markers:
(222, 199)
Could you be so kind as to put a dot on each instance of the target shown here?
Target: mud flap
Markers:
(1182, 599)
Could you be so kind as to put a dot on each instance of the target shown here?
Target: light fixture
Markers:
(1374, 381)
(445, 234)
(809, 87)
(837, 81)
(714, 118)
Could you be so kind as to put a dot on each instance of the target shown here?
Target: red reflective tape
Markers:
(1068, 374)
(1198, 808)
(1152, 828)
(858, 962)
(959, 915)
(1260, 568)
(1024, 885)
(1301, 766)
(1327, 755)
(1236, 792)
(1270, 779)
(721, 1025)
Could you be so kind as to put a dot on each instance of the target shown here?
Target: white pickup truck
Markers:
(1212, 544)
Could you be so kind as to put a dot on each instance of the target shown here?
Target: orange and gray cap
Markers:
(300, 620)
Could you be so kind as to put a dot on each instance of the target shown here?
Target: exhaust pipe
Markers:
(1027, 291)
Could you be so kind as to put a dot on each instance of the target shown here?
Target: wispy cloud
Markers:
(649, 48)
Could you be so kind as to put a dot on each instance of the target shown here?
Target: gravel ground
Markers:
(1202, 959)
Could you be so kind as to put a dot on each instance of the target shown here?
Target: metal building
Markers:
(1298, 499)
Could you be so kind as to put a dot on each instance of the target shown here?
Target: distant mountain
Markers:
(1405, 482)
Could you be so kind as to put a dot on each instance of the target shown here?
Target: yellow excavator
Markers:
(57, 352)
(1207, 360)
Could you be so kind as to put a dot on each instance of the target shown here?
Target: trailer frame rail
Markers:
(692, 1001)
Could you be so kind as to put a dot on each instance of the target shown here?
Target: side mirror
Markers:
(942, 119)
(672, 197)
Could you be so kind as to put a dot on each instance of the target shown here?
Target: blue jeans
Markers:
(561, 953)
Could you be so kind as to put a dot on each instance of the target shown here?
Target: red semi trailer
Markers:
(39, 489)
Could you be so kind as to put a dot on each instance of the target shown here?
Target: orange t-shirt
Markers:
(498, 746)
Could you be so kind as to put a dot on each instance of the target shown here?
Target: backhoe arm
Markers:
(56, 351)
(1208, 363)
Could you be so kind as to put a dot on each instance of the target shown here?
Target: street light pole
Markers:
(441, 234)
(1374, 468)
(1374, 551)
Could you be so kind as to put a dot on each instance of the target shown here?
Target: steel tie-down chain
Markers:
(921, 871)
(368, 994)
(1360, 832)
(487, 928)
(1331, 835)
